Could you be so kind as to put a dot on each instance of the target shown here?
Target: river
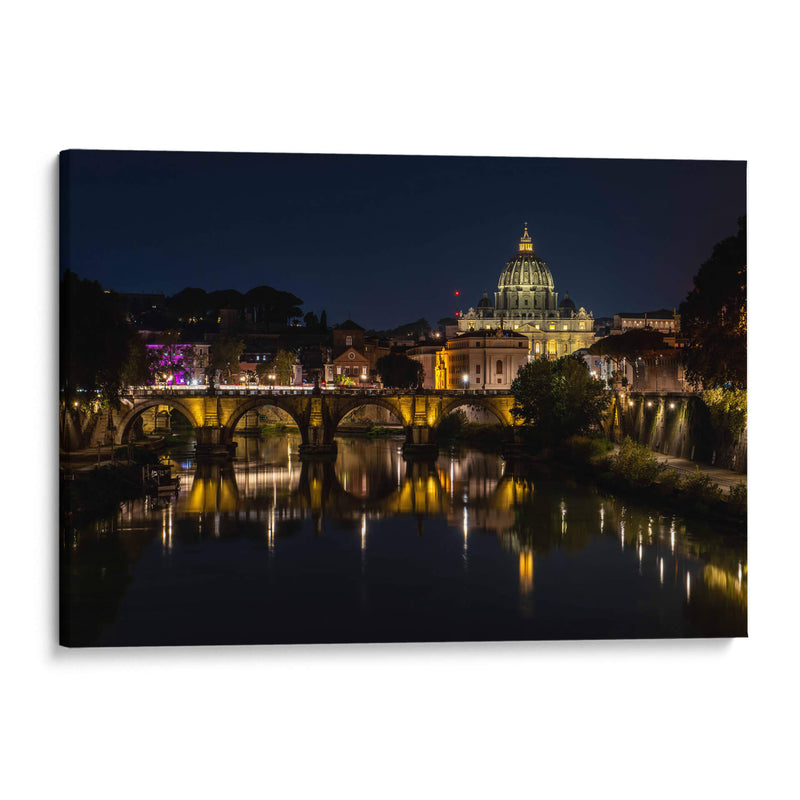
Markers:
(269, 549)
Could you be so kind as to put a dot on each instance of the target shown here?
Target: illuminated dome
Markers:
(526, 284)
(526, 270)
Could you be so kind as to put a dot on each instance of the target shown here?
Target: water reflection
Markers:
(480, 527)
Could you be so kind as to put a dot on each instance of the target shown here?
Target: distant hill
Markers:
(417, 329)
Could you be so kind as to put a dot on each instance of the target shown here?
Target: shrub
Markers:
(452, 425)
(737, 499)
(636, 464)
(586, 448)
(670, 481)
(699, 488)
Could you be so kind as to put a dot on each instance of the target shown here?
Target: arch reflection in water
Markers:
(466, 547)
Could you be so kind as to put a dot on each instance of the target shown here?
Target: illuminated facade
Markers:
(526, 302)
(180, 364)
(484, 359)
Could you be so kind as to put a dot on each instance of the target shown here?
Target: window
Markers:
(499, 369)
(347, 370)
(338, 370)
(348, 341)
(477, 369)
(552, 326)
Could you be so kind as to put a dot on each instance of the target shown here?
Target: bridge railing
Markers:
(269, 391)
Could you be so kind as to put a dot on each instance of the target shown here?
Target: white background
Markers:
(616, 719)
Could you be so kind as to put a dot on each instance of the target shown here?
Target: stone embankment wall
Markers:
(675, 424)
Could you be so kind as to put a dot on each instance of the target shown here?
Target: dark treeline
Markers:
(195, 311)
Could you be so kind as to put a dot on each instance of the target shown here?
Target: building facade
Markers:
(526, 303)
(662, 321)
(481, 359)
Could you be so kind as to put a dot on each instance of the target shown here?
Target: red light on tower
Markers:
(457, 293)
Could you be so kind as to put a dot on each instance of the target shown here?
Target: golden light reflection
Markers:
(526, 571)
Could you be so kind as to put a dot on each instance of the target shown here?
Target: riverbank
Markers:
(633, 470)
(93, 489)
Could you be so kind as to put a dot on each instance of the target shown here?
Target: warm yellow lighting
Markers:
(525, 243)
(649, 403)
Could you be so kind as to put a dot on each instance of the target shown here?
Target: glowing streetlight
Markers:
(465, 378)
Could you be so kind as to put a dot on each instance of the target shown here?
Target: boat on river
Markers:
(158, 480)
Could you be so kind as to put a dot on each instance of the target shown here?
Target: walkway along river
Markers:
(267, 549)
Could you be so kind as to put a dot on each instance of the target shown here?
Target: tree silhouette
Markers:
(714, 316)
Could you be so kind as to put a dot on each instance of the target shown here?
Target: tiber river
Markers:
(369, 548)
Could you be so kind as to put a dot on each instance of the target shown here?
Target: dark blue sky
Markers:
(388, 239)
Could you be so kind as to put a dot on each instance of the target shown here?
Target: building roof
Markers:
(489, 333)
(348, 325)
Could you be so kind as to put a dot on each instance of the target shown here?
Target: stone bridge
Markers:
(215, 415)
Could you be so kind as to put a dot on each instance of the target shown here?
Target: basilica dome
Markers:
(525, 270)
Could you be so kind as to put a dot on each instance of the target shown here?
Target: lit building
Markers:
(426, 354)
(662, 321)
(180, 363)
(526, 302)
(481, 359)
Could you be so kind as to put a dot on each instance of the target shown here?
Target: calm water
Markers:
(269, 549)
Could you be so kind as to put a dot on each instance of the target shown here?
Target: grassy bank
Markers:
(636, 471)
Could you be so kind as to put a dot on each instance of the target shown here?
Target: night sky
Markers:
(389, 239)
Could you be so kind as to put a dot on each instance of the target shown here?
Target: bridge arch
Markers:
(450, 406)
(128, 419)
(276, 401)
(343, 409)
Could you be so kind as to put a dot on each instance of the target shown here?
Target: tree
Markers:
(140, 364)
(190, 304)
(225, 355)
(558, 398)
(283, 366)
(714, 317)
(399, 371)
(311, 320)
(96, 340)
(323, 321)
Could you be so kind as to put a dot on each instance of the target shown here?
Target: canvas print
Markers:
(349, 398)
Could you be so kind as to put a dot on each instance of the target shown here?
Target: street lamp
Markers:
(465, 378)
(272, 380)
